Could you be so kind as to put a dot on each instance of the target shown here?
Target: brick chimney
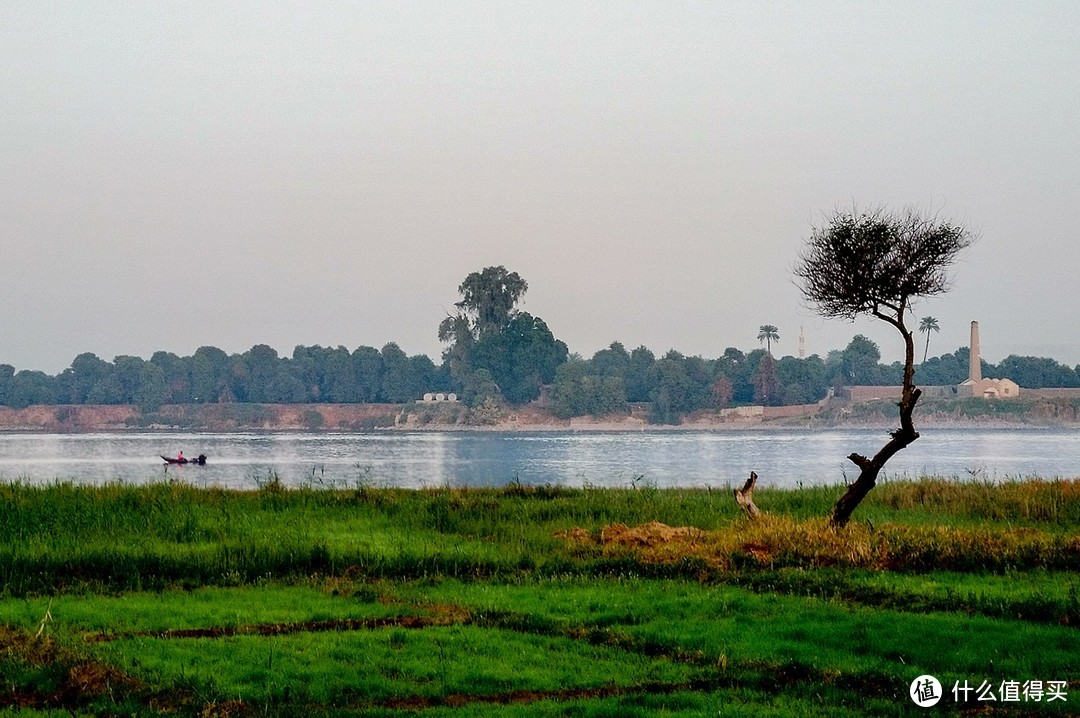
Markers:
(974, 359)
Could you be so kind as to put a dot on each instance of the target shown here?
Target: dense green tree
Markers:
(608, 396)
(106, 391)
(457, 333)
(262, 377)
(641, 376)
(766, 383)
(488, 299)
(31, 387)
(308, 365)
(428, 375)
(739, 369)
(731, 357)
(570, 391)
(610, 362)
(517, 349)
(859, 361)
(285, 388)
(487, 303)
(210, 374)
(802, 381)
(128, 372)
(480, 388)
(239, 378)
(151, 391)
(261, 365)
(177, 376)
(7, 374)
(339, 384)
(534, 356)
(87, 371)
(368, 365)
(945, 370)
(683, 385)
(578, 391)
(722, 391)
(521, 358)
(700, 374)
(399, 383)
(1035, 372)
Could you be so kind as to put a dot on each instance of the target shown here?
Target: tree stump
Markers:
(744, 497)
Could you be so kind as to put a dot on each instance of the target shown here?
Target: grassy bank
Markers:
(167, 598)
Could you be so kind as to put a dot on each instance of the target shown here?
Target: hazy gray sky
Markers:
(234, 173)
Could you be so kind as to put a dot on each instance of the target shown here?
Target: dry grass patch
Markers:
(780, 541)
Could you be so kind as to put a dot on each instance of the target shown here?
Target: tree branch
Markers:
(859, 460)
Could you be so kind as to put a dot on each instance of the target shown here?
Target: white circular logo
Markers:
(925, 691)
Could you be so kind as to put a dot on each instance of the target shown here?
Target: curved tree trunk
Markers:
(900, 438)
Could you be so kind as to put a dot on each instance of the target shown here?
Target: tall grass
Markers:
(63, 535)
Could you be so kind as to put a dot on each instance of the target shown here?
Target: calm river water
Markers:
(413, 460)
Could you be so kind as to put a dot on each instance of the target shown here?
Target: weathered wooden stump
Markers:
(744, 497)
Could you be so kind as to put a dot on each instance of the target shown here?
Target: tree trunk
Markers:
(900, 438)
(870, 468)
(744, 497)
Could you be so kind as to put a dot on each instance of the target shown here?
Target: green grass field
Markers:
(167, 599)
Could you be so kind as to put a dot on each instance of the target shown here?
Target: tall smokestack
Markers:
(974, 359)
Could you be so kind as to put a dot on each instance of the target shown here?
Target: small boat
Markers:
(200, 460)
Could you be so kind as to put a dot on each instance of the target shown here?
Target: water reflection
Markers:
(415, 460)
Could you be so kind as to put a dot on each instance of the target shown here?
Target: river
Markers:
(432, 459)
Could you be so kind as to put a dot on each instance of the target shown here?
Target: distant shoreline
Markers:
(422, 417)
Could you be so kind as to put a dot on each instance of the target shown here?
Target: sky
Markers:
(174, 175)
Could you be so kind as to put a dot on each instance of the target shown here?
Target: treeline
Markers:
(677, 384)
(259, 375)
(1029, 372)
(497, 356)
(510, 367)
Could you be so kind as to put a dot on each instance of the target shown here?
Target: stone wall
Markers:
(1053, 393)
(790, 412)
(869, 393)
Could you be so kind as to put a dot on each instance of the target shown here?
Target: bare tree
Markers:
(875, 263)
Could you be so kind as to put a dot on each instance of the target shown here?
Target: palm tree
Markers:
(927, 325)
(767, 335)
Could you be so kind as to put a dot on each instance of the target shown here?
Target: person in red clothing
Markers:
(180, 457)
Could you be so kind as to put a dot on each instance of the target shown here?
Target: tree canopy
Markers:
(767, 334)
(488, 299)
(874, 262)
(516, 351)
